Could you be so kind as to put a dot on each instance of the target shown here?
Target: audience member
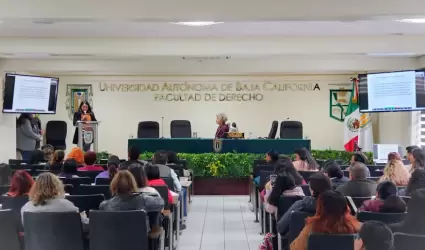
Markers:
(126, 196)
(359, 185)
(37, 157)
(417, 159)
(90, 159)
(335, 173)
(154, 179)
(414, 223)
(304, 161)
(394, 156)
(139, 175)
(319, 183)
(77, 154)
(333, 216)
(374, 235)
(172, 158)
(48, 151)
(113, 164)
(69, 169)
(5, 174)
(48, 195)
(358, 157)
(21, 184)
(160, 158)
(133, 157)
(396, 172)
(409, 150)
(283, 186)
(55, 164)
(272, 159)
(417, 181)
(26, 137)
(385, 190)
(393, 204)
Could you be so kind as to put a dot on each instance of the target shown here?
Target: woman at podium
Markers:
(223, 128)
(84, 113)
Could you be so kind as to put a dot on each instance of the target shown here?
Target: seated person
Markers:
(333, 216)
(358, 157)
(374, 235)
(417, 159)
(359, 185)
(396, 172)
(48, 195)
(112, 165)
(223, 128)
(133, 157)
(48, 151)
(172, 158)
(335, 173)
(90, 160)
(154, 179)
(304, 161)
(37, 158)
(138, 172)
(21, 184)
(77, 154)
(319, 183)
(409, 151)
(394, 156)
(384, 190)
(414, 222)
(416, 181)
(272, 158)
(393, 204)
(126, 196)
(160, 158)
(283, 186)
(69, 169)
(55, 164)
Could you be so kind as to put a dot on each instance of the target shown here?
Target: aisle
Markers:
(220, 223)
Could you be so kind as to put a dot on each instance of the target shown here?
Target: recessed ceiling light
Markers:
(417, 20)
(197, 24)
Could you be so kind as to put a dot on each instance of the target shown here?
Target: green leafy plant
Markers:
(240, 164)
(102, 155)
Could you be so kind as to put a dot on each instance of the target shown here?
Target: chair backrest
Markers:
(9, 237)
(296, 224)
(330, 241)
(169, 181)
(148, 129)
(103, 181)
(406, 199)
(258, 168)
(56, 134)
(16, 162)
(404, 241)
(90, 174)
(163, 192)
(53, 231)
(178, 169)
(76, 182)
(86, 202)
(273, 130)
(124, 230)
(356, 202)
(15, 204)
(259, 162)
(306, 189)
(181, 129)
(69, 188)
(387, 218)
(284, 203)
(264, 178)
(95, 189)
(291, 130)
(4, 189)
(306, 174)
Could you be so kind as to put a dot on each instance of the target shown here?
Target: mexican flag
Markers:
(357, 127)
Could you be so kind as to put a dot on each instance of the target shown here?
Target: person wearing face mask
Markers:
(84, 113)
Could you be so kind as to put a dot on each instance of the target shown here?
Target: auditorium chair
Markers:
(306, 189)
(318, 241)
(180, 129)
(53, 231)
(168, 215)
(148, 129)
(406, 199)
(9, 228)
(291, 130)
(103, 181)
(4, 189)
(387, 218)
(283, 205)
(273, 130)
(56, 134)
(90, 174)
(76, 182)
(404, 241)
(123, 230)
(296, 225)
(13, 162)
(170, 183)
(306, 174)
(85, 203)
(95, 189)
(15, 204)
(356, 202)
(178, 169)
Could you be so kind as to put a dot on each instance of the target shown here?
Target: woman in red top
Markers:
(154, 179)
(21, 184)
(90, 160)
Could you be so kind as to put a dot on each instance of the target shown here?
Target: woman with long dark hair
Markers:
(26, 138)
(84, 113)
(304, 161)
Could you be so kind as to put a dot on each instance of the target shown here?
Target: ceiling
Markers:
(308, 32)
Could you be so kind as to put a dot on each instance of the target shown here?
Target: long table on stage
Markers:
(197, 145)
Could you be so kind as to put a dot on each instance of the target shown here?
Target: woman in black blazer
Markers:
(84, 113)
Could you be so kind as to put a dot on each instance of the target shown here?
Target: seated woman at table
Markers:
(223, 128)
(304, 161)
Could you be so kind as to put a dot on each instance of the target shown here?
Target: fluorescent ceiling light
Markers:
(197, 24)
(418, 20)
(391, 54)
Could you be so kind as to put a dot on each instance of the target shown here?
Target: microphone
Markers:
(162, 127)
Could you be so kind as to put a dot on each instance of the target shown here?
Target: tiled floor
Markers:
(220, 223)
